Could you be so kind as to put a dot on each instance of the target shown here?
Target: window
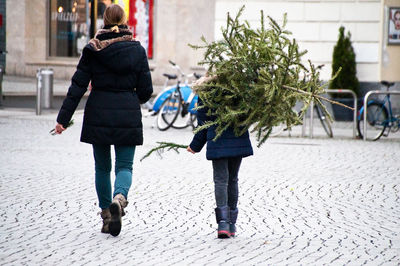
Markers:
(68, 32)
(70, 22)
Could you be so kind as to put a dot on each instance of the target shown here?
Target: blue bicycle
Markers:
(174, 106)
(380, 120)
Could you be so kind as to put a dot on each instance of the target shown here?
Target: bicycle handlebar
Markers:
(194, 74)
(197, 76)
(182, 75)
(176, 66)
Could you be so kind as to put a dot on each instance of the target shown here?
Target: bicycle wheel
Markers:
(193, 120)
(324, 121)
(187, 117)
(377, 116)
(169, 111)
(276, 131)
(183, 118)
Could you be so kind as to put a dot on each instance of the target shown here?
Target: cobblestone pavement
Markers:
(302, 202)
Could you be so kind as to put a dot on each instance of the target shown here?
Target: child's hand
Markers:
(190, 150)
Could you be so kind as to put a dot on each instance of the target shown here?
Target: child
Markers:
(226, 154)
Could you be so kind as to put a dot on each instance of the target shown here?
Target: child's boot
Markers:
(233, 213)
(222, 215)
(117, 211)
(106, 216)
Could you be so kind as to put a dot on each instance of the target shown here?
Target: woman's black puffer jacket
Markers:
(118, 69)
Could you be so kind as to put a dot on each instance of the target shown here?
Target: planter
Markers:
(341, 113)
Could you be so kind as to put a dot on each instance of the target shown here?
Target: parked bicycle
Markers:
(380, 118)
(174, 106)
(326, 124)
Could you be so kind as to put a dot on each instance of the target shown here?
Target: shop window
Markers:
(68, 32)
(70, 22)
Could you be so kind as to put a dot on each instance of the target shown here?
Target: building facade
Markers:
(51, 33)
(315, 25)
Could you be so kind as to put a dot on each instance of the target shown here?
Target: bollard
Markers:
(44, 89)
(47, 88)
(1, 86)
(38, 92)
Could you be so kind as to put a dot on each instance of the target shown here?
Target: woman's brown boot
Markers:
(117, 211)
(106, 216)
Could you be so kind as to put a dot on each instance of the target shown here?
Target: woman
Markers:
(117, 67)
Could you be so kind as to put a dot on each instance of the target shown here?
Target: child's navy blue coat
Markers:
(227, 145)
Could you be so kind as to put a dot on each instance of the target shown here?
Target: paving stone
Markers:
(302, 201)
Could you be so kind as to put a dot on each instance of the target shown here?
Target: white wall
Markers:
(177, 24)
(315, 25)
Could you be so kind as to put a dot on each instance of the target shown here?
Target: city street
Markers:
(302, 201)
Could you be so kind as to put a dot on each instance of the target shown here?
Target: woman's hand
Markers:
(59, 129)
(190, 150)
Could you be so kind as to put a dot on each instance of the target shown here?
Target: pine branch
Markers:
(164, 146)
(318, 96)
(53, 131)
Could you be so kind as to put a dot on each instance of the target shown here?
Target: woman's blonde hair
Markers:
(114, 15)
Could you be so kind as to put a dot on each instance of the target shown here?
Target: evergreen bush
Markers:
(344, 57)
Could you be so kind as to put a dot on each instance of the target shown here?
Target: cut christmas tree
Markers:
(254, 79)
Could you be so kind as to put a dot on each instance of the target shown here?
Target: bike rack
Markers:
(354, 112)
(365, 104)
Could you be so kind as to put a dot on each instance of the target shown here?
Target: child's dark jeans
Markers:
(226, 181)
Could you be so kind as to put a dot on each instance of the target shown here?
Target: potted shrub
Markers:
(344, 57)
